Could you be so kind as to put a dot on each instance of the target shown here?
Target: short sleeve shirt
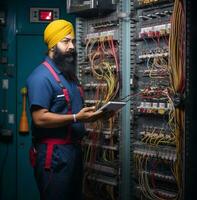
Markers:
(44, 91)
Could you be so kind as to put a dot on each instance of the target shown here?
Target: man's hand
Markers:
(88, 114)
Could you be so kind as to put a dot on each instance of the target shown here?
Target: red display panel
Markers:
(45, 15)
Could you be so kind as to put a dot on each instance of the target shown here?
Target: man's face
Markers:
(64, 56)
(66, 45)
(64, 52)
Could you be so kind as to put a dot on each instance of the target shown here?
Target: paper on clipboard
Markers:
(112, 106)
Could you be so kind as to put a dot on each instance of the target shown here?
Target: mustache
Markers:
(67, 57)
(71, 52)
(70, 56)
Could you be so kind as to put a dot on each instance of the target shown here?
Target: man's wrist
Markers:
(74, 118)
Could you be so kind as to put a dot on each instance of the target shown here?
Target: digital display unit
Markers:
(45, 15)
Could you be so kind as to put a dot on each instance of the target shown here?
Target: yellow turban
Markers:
(56, 31)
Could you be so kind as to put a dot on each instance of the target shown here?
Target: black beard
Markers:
(66, 63)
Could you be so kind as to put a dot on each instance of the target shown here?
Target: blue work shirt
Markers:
(44, 91)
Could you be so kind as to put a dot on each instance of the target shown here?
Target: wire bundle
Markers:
(177, 76)
(102, 53)
(169, 71)
(104, 65)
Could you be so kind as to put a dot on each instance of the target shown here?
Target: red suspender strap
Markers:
(49, 153)
(65, 91)
(81, 91)
(52, 71)
(67, 97)
(50, 142)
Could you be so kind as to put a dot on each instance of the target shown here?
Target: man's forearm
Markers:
(48, 119)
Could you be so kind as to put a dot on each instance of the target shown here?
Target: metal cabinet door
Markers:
(30, 53)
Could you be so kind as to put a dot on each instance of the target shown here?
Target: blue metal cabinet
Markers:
(30, 53)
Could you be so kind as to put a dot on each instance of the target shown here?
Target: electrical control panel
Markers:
(156, 97)
(99, 73)
(6, 134)
(157, 92)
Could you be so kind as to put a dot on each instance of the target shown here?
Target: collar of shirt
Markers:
(53, 65)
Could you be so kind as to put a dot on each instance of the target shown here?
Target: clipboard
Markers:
(112, 106)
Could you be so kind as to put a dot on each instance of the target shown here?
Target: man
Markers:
(55, 100)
